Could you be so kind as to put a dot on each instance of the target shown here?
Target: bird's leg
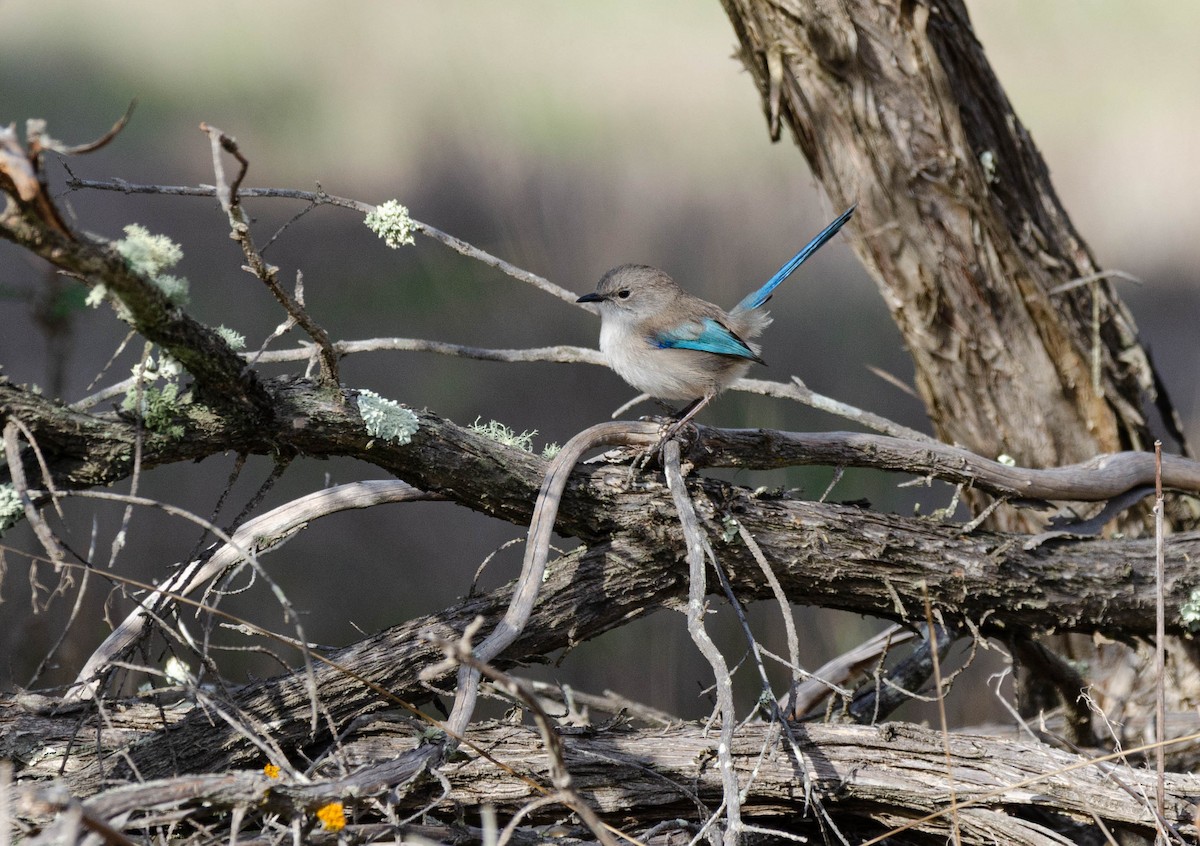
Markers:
(681, 419)
(689, 411)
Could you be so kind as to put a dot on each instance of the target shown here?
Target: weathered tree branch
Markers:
(868, 778)
(1080, 586)
(894, 773)
(319, 198)
(89, 449)
(222, 379)
(830, 555)
(257, 537)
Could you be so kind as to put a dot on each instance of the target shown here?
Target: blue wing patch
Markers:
(706, 336)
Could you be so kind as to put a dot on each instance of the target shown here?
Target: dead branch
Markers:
(268, 274)
(1099, 478)
(880, 561)
(537, 551)
(870, 779)
(93, 450)
(698, 553)
(260, 535)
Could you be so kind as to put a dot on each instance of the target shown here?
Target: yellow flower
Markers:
(332, 816)
(271, 770)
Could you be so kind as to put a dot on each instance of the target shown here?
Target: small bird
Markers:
(675, 346)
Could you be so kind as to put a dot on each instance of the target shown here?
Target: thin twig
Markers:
(322, 198)
(103, 141)
(1080, 281)
(257, 537)
(785, 606)
(608, 702)
(776, 712)
(267, 273)
(248, 554)
(1160, 635)
(459, 650)
(1104, 767)
(942, 722)
(802, 393)
(697, 590)
(16, 469)
(139, 439)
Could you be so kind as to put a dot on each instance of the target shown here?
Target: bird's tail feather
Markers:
(757, 298)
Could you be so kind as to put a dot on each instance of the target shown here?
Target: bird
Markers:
(673, 345)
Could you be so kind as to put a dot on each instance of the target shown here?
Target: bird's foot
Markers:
(673, 429)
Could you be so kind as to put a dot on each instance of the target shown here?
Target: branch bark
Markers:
(223, 380)
(868, 778)
(880, 565)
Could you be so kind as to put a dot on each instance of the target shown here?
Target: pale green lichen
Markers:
(386, 419)
(236, 340)
(501, 434)
(1189, 612)
(391, 222)
(11, 509)
(96, 296)
(150, 255)
(729, 529)
(168, 367)
(159, 407)
(146, 253)
(174, 287)
(549, 451)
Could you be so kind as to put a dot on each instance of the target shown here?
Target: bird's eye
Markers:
(623, 294)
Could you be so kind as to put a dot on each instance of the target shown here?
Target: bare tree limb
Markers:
(537, 551)
(261, 535)
(268, 274)
(222, 379)
(872, 779)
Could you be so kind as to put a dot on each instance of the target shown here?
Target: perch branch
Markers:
(1100, 478)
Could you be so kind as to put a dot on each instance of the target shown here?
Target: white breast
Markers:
(668, 374)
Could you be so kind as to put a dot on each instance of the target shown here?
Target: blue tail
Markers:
(763, 294)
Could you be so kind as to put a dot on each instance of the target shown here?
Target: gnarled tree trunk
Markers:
(896, 108)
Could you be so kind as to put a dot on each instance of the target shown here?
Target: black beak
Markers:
(590, 298)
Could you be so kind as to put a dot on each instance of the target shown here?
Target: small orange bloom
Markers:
(271, 770)
(332, 816)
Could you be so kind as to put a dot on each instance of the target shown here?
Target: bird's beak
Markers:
(590, 298)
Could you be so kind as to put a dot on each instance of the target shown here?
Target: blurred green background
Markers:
(565, 138)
